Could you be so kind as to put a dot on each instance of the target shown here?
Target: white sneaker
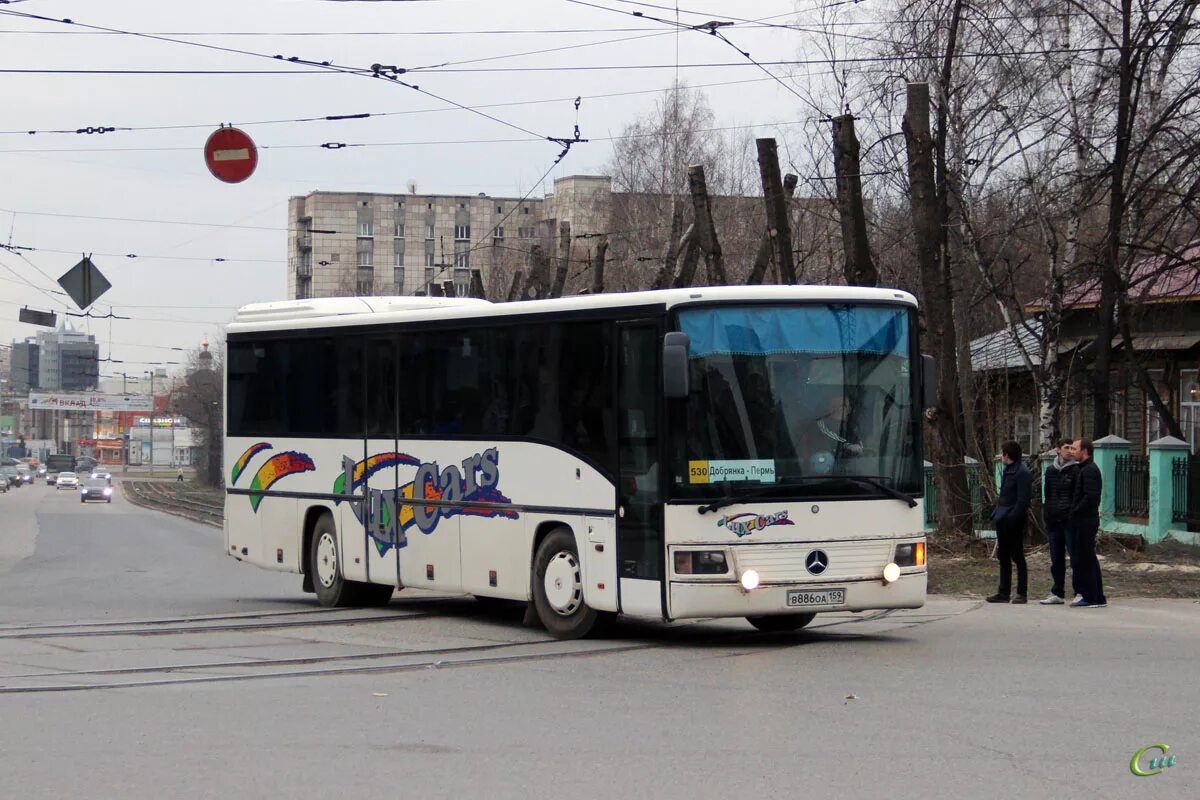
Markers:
(1078, 597)
(1052, 600)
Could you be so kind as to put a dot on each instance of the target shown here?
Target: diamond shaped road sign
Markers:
(84, 283)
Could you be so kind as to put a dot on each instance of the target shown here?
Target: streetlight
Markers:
(150, 372)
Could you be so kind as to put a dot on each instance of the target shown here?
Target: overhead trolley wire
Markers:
(386, 72)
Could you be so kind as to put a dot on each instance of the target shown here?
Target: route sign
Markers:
(230, 155)
(84, 283)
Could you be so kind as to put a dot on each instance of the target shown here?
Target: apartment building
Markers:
(345, 244)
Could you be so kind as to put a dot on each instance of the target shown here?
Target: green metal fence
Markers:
(980, 508)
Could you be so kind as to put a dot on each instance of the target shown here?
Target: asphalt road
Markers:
(137, 661)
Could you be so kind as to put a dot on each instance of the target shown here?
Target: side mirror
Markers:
(675, 365)
(929, 380)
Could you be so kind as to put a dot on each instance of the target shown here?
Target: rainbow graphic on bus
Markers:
(388, 517)
(365, 469)
(277, 468)
(239, 466)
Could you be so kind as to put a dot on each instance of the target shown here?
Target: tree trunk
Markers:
(706, 233)
(689, 259)
(779, 225)
(762, 259)
(598, 266)
(514, 290)
(564, 259)
(538, 285)
(1110, 275)
(858, 267)
(955, 505)
(666, 273)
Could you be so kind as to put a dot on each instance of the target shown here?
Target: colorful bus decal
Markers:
(239, 466)
(365, 469)
(387, 520)
(276, 469)
(747, 523)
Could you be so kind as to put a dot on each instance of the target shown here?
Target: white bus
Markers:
(713, 452)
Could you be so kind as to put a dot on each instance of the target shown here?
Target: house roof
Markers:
(1158, 279)
(1000, 350)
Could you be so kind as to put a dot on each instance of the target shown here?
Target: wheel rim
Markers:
(326, 560)
(564, 584)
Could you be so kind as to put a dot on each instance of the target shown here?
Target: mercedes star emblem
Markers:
(817, 562)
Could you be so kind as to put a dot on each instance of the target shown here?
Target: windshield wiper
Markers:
(729, 498)
(867, 480)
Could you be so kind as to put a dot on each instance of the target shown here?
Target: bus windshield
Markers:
(804, 396)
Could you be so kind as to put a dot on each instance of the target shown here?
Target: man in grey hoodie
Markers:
(1058, 486)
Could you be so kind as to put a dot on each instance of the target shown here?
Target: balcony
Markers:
(304, 240)
(304, 269)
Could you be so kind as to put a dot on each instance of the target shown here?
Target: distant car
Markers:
(41, 470)
(25, 472)
(67, 480)
(103, 475)
(11, 476)
(85, 464)
(95, 489)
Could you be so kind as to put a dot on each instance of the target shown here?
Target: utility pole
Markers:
(859, 269)
(152, 405)
(778, 224)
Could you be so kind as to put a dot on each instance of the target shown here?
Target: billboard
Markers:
(85, 401)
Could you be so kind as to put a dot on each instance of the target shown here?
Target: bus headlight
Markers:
(911, 554)
(891, 573)
(749, 580)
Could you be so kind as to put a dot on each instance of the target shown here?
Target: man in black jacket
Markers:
(1082, 526)
(1012, 506)
(1057, 488)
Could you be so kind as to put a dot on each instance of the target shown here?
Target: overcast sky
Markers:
(176, 303)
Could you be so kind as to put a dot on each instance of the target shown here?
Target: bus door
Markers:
(383, 532)
(640, 555)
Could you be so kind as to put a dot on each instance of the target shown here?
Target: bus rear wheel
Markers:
(558, 588)
(331, 588)
(781, 623)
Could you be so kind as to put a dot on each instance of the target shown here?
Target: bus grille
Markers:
(785, 563)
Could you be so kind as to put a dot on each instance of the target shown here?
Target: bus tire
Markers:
(327, 582)
(557, 587)
(781, 623)
(331, 588)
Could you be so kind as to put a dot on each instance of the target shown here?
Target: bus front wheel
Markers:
(558, 588)
(781, 623)
(331, 588)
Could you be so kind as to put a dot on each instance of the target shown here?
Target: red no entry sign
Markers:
(230, 155)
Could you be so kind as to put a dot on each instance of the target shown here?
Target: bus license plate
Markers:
(820, 597)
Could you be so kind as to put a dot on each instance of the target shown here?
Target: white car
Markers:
(67, 480)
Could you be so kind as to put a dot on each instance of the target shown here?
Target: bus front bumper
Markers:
(688, 600)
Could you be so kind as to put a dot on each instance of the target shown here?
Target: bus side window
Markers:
(350, 400)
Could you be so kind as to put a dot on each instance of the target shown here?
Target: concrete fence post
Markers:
(1105, 451)
(1163, 453)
